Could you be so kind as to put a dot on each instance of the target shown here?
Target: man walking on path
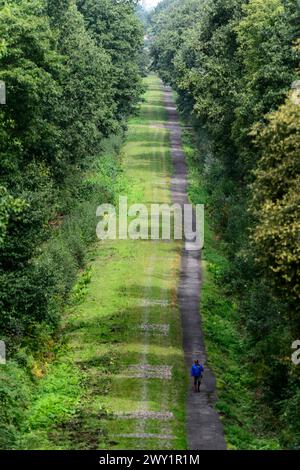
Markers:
(197, 372)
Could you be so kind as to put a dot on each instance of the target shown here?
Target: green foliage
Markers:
(60, 393)
(79, 290)
(170, 22)
(69, 88)
(115, 26)
(143, 15)
(276, 202)
(265, 37)
(15, 394)
(8, 207)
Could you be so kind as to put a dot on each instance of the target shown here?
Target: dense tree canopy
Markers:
(114, 27)
(72, 78)
(276, 199)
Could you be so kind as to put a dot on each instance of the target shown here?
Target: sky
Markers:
(150, 3)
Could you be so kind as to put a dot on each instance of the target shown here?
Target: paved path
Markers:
(204, 428)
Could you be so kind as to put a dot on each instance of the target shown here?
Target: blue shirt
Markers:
(196, 370)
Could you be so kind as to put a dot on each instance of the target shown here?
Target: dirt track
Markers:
(204, 428)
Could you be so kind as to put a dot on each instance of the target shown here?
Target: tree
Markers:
(276, 199)
(265, 36)
(116, 27)
(69, 88)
